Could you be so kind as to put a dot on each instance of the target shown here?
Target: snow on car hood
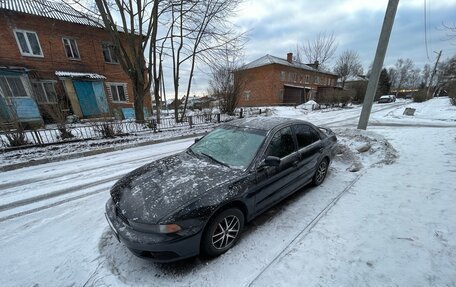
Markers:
(162, 187)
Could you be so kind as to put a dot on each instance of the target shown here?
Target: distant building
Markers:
(52, 54)
(271, 80)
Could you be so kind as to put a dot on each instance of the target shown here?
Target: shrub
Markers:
(107, 130)
(16, 138)
(420, 96)
(451, 89)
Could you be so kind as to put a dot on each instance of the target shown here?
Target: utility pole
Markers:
(433, 74)
(378, 63)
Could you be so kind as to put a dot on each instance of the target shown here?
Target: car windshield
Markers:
(230, 146)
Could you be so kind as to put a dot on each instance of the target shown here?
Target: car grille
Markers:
(121, 216)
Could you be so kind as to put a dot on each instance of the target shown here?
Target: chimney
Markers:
(290, 57)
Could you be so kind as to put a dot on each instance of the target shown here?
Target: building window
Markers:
(247, 95)
(13, 87)
(109, 53)
(71, 48)
(307, 79)
(317, 80)
(118, 92)
(282, 76)
(45, 92)
(28, 43)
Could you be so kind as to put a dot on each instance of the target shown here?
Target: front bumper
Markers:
(153, 246)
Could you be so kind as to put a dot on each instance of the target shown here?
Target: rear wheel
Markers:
(222, 232)
(321, 172)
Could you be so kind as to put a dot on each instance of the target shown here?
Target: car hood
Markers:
(158, 189)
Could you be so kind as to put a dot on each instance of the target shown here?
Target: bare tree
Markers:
(413, 78)
(348, 64)
(403, 70)
(227, 82)
(137, 33)
(392, 73)
(321, 49)
(200, 32)
(451, 30)
(426, 74)
(446, 73)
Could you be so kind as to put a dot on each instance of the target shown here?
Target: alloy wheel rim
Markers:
(321, 172)
(226, 232)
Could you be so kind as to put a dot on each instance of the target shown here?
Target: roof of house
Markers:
(269, 59)
(50, 9)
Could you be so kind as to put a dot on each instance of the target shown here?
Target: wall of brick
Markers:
(265, 84)
(50, 32)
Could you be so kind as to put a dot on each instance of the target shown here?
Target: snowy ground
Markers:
(391, 223)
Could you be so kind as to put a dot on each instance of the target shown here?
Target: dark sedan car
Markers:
(200, 199)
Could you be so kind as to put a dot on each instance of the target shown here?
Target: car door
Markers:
(275, 182)
(310, 148)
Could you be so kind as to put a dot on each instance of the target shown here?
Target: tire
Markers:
(320, 173)
(215, 240)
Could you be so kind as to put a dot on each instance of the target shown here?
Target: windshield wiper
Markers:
(216, 160)
(190, 151)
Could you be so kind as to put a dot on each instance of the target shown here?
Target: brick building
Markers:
(271, 80)
(51, 54)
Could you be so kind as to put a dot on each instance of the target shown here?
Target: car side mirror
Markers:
(271, 161)
(197, 140)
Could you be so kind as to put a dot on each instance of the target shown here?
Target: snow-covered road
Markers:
(54, 232)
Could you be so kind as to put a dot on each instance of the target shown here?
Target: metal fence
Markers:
(105, 129)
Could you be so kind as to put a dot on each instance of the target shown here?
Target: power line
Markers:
(425, 30)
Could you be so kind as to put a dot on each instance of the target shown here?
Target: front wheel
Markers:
(321, 172)
(222, 232)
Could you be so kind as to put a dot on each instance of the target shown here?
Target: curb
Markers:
(93, 152)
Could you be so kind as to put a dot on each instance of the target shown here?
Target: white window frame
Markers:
(24, 32)
(41, 83)
(124, 85)
(110, 47)
(247, 95)
(69, 39)
(25, 85)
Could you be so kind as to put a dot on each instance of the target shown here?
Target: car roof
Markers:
(385, 96)
(264, 123)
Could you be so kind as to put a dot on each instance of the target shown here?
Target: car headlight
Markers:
(155, 228)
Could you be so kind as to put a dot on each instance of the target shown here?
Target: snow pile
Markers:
(309, 105)
(360, 148)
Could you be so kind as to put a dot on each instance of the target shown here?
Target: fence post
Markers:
(154, 124)
(38, 137)
(240, 113)
(190, 121)
(218, 118)
(260, 111)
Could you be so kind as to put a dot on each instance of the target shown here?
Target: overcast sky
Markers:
(276, 26)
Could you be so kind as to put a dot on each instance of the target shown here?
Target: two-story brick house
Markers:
(270, 80)
(51, 53)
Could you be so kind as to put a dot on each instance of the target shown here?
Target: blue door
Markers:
(100, 97)
(87, 99)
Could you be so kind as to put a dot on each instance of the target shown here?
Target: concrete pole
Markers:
(378, 63)
(433, 74)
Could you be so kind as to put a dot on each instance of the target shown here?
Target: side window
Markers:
(282, 144)
(28, 42)
(305, 135)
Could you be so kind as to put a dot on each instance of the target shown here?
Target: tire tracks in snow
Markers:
(19, 214)
(303, 233)
(69, 190)
(54, 176)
